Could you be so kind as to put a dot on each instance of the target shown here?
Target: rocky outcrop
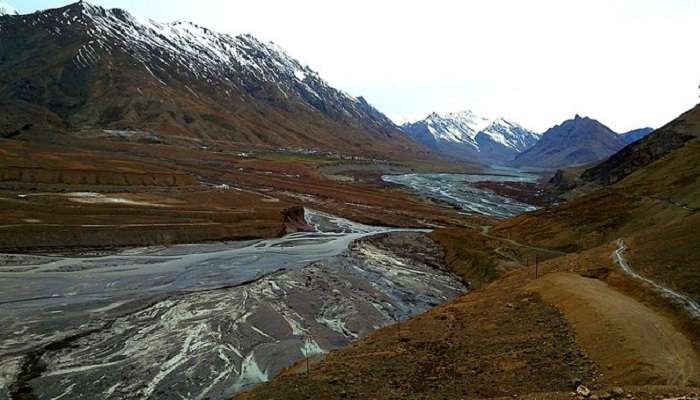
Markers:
(295, 220)
(563, 181)
(560, 182)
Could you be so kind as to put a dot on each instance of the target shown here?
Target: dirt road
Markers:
(688, 303)
(631, 342)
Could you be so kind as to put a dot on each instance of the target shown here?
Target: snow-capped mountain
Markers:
(85, 66)
(459, 127)
(468, 136)
(509, 134)
(7, 9)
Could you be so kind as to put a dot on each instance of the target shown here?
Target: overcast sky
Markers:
(628, 63)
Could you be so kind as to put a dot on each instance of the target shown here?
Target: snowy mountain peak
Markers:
(503, 122)
(182, 48)
(204, 53)
(473, 120)
(7, 9)
(238, 77)
(466, 134)
(510, 135)
(459, 127)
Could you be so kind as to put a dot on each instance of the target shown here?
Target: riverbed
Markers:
(458, 190)
(206, 320)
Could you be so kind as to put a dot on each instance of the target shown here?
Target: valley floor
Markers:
(82, 194)
(205, 321)
(549, 302)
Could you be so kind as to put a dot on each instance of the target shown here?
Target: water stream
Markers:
(457, 189)
(204, 320)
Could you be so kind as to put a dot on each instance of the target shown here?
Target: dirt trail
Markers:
(486, 232)
(688, 303)
(632, 343)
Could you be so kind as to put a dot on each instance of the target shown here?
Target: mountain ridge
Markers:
(577, 141)
(83, 66)
(636, 134)
(650, 148)
(466, 135)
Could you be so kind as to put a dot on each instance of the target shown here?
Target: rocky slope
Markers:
(83, 68)
(468, 136)
(647, 150)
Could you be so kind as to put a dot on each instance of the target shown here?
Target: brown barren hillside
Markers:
(574, 182)
(520, 337)
(576, 315)
(654, 208)
(89, 69)
(649, 149)
(107, 192)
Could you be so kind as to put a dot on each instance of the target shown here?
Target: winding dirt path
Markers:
(630, 342)
(688, 303)
(486, 232)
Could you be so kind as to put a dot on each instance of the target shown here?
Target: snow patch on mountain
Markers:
(178, 52)
(7, 9)
(459, 127)
(182, 46)
(468, 135)
(510, 134)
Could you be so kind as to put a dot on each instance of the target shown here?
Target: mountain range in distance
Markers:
(468, 136)
(87, 69)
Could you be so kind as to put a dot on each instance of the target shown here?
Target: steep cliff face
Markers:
(295, 220)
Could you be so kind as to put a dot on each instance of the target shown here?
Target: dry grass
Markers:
(262, 185)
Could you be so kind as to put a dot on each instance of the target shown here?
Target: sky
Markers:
(627, 63)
